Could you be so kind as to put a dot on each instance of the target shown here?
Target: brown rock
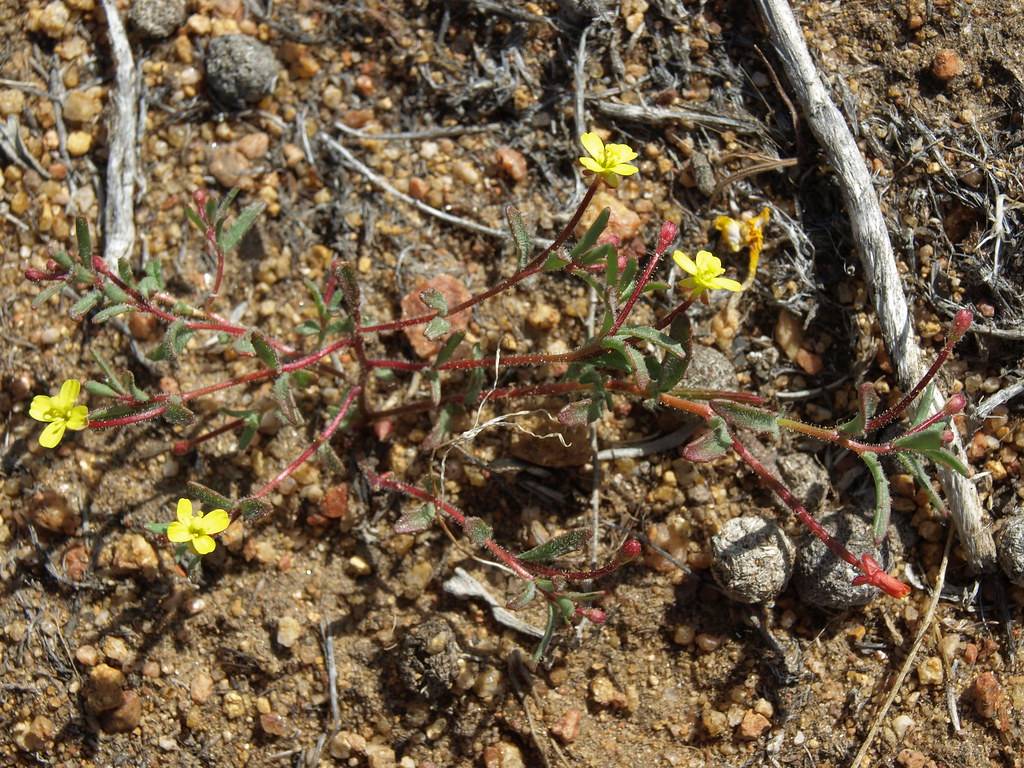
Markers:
(52, 511)
(126, 717)
(229, 166)
(454, 293)
(512, 162)
(623, 222)
(503, 755)
(947, 64)
(82, 106)
(335, 503)
(134, 555)
(752, 726)
(911, 758)
(273, 724)
(35, 736)
(604, 693)
(254, 145)
(201, 687)
(142, 325)
(568, 727)
(103, 689)
(987, 695)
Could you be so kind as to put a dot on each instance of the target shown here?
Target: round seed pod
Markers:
(240, 70)
(1010, 548)
(825, 580)
(752, 559)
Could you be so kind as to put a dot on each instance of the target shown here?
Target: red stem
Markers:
(641, 283)
(535, 266)
(310, 449)
(871, 572)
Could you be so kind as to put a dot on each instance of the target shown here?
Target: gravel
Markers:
(240, 70)
(1010, 548)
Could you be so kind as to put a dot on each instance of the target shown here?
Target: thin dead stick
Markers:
(119, 210)
(908, 663)
(656, 115)
(380, 182)
(877, 260)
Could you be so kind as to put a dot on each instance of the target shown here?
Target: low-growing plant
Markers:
(620, 359)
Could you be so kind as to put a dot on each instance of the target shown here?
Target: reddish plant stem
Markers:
(535, 266)
(961, 322)
(181, 447)
(122, 421)
(871, 572)
(637, 290)
(310, 449)
(506, 557)
(666, 321)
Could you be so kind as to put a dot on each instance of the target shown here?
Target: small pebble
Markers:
(512, 162)
(346, 744)
(604, 693)
(103, 689)
(568, 727)
(987, 695)
(87, 655)
(133, 554)
(273, 724)
(503, 755)
(201, 687)
(233, 705)
(288, 631)
(126, 717)
(82, 106)
(929, 671)
(752, 726)
(911, 758)
(116, 650)
(715, 723)
(752, 559)
(947, 64)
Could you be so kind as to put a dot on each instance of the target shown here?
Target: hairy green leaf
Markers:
(436, 328)
(946, 459)
(434, 299)
(520, 237)
(556, 546)
(883, 499)
(419, 519)
(266, 353)
(747, 417)
(84, 241)
(210, 498)
(711, 445)
(282, 391)
(449, 348)
(100, 389)
(233, 235)
(914, 466)
(478, 531)
(112, 311)
(84, 305)
(44, 295)
(927, 440)
(592, 234)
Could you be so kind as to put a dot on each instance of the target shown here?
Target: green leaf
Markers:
(193, 217)
(441, 429)
(253, 509)
(576, 414)
(713, 444)
(598, 254)
(318, 299)
(100, 389)
(476, 380)
(233, 235)
(549, 632)
(914, 466)
(210, 498)
(520, 237)
(747, 417)
(434, 299)
(112, 378)
(666, 342)
(133, 389)
(436, 328)
(591, 235)
(927, 440)
(44, 295)
(555, 262)
(265, 352)
(84, 241)
(160, 529)
(348, 281)
(175, 338)
(922, 405)
(420, 519)
(524, 598)
(672, 369)
(449, 348)
(611, 267)
(112, 311)
(84, 305)
(243, 344)
(329, 459)
(478, 531)
(308, 328)
(566, 606)
(62, 258)
(626, 281)
(225, 202)
(946, 459)
(177, 413)
(868, 403)
(114, 292)
(341, 326)
(282, 391)
(556, 547)
(124, 271)
(883, 499)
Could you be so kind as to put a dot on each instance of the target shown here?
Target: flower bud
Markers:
(665, 237)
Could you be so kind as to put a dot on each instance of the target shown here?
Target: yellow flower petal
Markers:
(214, 522)
(618, 153)
(731, 232)
(184, 512)
(594, 146)
(179, 533)
(68, 394)
(708, 265)
(52, 435)
(685, 262)
(78, 418)
(622, 169)
(610, 179)
(204, 545)
(725, 284)
(591, 165)
(41, 407)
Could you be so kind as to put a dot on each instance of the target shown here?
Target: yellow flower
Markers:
(609, 161)
(705, 273)
(745, 234)
(197, 529)
(61, 413)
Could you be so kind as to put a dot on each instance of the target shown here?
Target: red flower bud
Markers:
(666, 236)
(631, 549)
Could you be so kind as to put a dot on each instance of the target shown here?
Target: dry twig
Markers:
(876, 255)
(119, 211)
